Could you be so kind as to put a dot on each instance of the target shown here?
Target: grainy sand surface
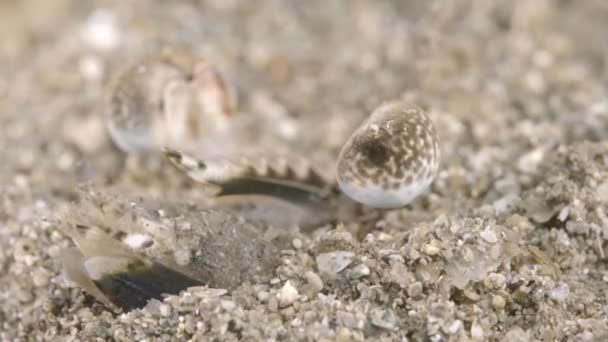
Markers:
(510, 243)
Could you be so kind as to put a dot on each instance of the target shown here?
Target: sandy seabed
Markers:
(508, 244)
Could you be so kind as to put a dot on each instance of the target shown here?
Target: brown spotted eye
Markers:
(390, 159)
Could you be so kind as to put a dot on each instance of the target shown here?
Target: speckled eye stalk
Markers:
(173, 99)
(390, 159)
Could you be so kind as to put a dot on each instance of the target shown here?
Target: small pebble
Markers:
(454, 327)
(314, 280)
(563, 213)
(498, 302)
(297, 322)
(347, 335)
(296, 243)
(398, 274)
(227, 305)
(287, 295)
(415, 290)
(516, 334)
(164, 310)
(189, 325)
(262, 296)
(560, 293)
(334, 262)
(495, 281)
(182, 256)
(471, 295)
(207, 293)
(360, 271)
(24, 295)
(273, 304)
(476, 331)
(396, 258)
(488, 235)
(430, 249)
(40, 278)
(136, 241)
(383, 324)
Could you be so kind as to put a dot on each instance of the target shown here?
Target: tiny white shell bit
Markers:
(390, 159)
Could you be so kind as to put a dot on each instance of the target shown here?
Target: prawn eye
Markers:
(390, 159)
(375, 152)
(171, 98)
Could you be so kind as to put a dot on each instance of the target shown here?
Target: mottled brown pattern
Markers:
(394, 146)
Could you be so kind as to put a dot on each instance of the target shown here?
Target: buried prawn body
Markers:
(390, 159)
(116, 275)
